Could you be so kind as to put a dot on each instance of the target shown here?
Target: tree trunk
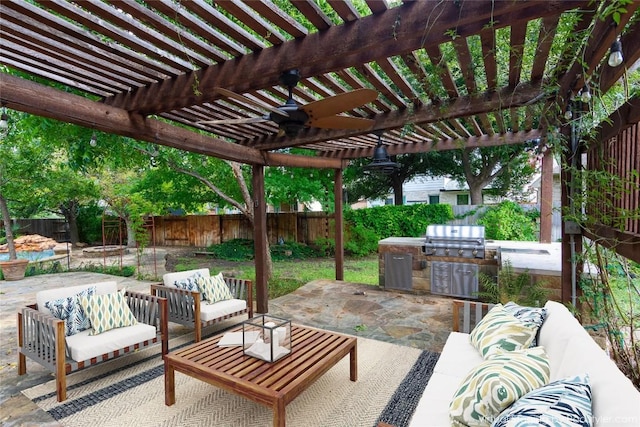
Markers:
(6, 218)
(70, 214)
(476, 194)
(131, 232)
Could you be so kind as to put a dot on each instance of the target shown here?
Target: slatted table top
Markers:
(314, 352)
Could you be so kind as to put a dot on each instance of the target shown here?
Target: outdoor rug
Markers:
(130, 392)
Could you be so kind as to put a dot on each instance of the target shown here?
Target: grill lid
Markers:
(456, 232)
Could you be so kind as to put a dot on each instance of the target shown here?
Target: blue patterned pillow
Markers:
(70, 310)
(188, 283)
(565, 402)
(532, 317)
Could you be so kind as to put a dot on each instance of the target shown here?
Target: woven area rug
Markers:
(130, 392)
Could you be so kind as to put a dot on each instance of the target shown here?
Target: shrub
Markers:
(511, 286)
(508, 221)
(360, 241)
(234, 250)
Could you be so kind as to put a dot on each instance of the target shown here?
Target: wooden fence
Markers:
(205, 230)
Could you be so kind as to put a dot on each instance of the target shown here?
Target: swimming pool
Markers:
(30, 255)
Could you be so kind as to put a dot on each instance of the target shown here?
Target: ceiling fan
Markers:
(291, 117)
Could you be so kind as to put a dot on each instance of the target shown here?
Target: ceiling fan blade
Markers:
(230, 94)
(244, 120)
(341, 122)
(339, 103)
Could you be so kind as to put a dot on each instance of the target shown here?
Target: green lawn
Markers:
(290, 275)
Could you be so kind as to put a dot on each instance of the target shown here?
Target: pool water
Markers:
(31, 256)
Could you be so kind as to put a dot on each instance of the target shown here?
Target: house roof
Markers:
(151, 70)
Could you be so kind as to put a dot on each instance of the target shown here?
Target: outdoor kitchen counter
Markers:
(539, 258)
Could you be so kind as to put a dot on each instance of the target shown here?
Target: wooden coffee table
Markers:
(314, 352)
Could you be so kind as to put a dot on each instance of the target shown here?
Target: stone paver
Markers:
(366, 311)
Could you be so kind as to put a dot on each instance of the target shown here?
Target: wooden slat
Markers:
(545, 40)
(136, 43)
(62, 31)
(398, 79)
(252, 20)
(518, 34)
(345, 10)
(466, 63)
(380, 85)
(228, 33)
(415, 65)
(488, 41)
(273, 14)
(444, 73)
(313, 13)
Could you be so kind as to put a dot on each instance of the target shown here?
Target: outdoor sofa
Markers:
(115, 323)
(188, 307)
(571, 353)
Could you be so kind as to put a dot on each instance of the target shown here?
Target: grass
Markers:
(291, 274)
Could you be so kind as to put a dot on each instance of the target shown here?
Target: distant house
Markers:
(424, 189)
(557, 188)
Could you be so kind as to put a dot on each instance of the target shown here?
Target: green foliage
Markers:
(233, 250)
(519, 288)
(90, 224)
(292, 250)
(405, 220)
(114, 270)
(508, 221)
(325, 246)
(611, 296)
(360, 241)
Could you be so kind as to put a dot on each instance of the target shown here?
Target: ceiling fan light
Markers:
(615, 57)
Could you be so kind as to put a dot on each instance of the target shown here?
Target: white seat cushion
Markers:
(221, 308)
(42, 297)
(433, 407)
(84, 346)
(169, 279)
(461, 356)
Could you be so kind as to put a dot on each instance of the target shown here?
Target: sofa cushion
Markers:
(83, 346)
(499, 329)
(532, 317)
(70, 310)
(188, 283)
(496, 383)
(460, 356)
(50, 294)
(213, 288)
(221, 308)
(564, 402)
(169, 279)
(107, 312)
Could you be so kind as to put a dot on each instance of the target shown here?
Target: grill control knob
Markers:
(475, 252)
(460, 252)
(446, 251)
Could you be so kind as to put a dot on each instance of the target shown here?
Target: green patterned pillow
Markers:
(214, 288)
(489, 388)
(107, 312)
(500, 330)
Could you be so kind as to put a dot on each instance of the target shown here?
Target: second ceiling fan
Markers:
(291, 117)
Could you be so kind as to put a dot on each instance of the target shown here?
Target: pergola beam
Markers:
(342, 46)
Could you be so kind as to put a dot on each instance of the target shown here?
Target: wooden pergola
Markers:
(149, 70)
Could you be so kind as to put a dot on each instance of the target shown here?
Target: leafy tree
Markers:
(18, 176)
(363, 184)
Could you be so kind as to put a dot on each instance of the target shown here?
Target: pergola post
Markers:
(546, 197)
(260, 239)
(339, 224)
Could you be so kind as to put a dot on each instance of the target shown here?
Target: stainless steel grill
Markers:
(465, 241)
